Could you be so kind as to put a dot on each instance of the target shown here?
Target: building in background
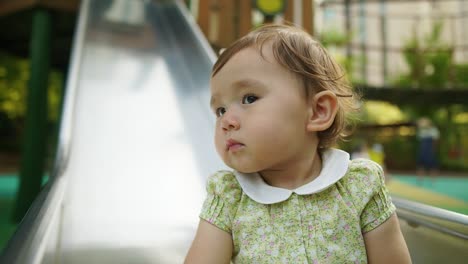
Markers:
(378, 31)
(372, 34)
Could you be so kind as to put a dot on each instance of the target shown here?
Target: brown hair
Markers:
(301, 54)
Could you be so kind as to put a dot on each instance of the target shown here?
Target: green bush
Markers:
(14, 79)
(461, 75)
(430, 64)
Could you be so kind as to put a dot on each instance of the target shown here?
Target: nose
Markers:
(230, 121)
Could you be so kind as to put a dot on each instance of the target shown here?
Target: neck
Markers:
(294, 174)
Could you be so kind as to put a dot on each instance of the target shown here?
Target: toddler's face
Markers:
(261, 113)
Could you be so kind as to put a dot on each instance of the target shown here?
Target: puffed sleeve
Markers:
(223, 196)
(369, 193)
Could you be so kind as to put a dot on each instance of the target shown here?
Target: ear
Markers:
(322, 108)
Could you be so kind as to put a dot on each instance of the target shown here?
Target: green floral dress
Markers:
(320, 222)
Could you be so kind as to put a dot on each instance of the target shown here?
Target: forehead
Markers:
(249, 63)
(252, 57)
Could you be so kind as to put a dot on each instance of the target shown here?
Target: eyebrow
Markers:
(247, 83)
(240, 84)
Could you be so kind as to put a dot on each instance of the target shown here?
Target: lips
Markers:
(233, 145)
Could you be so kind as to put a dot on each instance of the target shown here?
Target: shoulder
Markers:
(224, 184)
(363, 180)
(222, 200)
(364, 170)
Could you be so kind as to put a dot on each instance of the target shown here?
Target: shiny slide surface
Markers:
(142, 143)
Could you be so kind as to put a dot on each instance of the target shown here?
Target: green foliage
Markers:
(414, 61)
(333, 37)
(14, 74)
(438, 67)
(461, 75)
(54, 95)
(400, 152)
(430, 63)
(14, 79)
(431, 66)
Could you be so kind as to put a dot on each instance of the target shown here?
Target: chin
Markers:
(246, 171)
(242, 169)
(238, 165)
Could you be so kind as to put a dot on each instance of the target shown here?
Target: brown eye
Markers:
(249, 99)
(220, 111)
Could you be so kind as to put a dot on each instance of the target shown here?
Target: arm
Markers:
(385, 244)
(211, 245)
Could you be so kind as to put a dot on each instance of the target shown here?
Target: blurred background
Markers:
(408, 59)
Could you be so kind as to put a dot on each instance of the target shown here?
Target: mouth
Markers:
(233, 145)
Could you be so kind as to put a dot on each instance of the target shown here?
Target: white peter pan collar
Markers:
(334, 166)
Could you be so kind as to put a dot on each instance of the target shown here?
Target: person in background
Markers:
(428, 138)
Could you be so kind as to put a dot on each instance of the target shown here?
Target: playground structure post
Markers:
(34, 139)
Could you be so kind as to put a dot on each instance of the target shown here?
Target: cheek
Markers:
(279, 132)
(267, 134)
(219, 144)
(277, 124)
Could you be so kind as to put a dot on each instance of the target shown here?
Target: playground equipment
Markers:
(136, 147)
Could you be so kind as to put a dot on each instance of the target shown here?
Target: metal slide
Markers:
(136, 147)
(136, 142)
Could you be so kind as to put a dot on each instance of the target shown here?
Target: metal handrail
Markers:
(417, 221)
(434, 218)
(26, 244)
(430, 211)
(66, 124)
